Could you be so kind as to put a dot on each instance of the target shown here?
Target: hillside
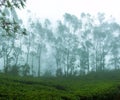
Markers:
(94, 86)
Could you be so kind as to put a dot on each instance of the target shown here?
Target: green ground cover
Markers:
(94, 86)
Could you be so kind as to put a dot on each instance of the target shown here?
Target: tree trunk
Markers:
(28, 50)
(67, 62)
(88, 66)
(39, 60)
(32, 64)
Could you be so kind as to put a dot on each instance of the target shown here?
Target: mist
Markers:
(71, 46)
(70, 57)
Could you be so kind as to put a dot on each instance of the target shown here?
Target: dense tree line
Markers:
(73, 46)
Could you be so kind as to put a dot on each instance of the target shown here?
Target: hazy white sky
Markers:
(54, 9)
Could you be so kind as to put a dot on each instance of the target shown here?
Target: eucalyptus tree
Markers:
(115, 46)
(10, 26)
(115, 59)
(59, 46)
(30, 44)
(103, 36)
(66, 44)
(40, 40)
(33, 56)
(84, 53)
(86, 46)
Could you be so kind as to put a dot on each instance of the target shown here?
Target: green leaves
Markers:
(22, 4)
(24, 31)
(9, 20)
(9, 4)
(13, 3)
(72, 88)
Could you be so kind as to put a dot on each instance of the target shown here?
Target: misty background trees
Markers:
(71, 46)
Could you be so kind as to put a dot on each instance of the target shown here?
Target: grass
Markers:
(94, 86)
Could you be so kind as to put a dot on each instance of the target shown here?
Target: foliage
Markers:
(74, 46)
(87, 87)
(10, 27)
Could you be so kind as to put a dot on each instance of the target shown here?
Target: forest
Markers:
(72, 59)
